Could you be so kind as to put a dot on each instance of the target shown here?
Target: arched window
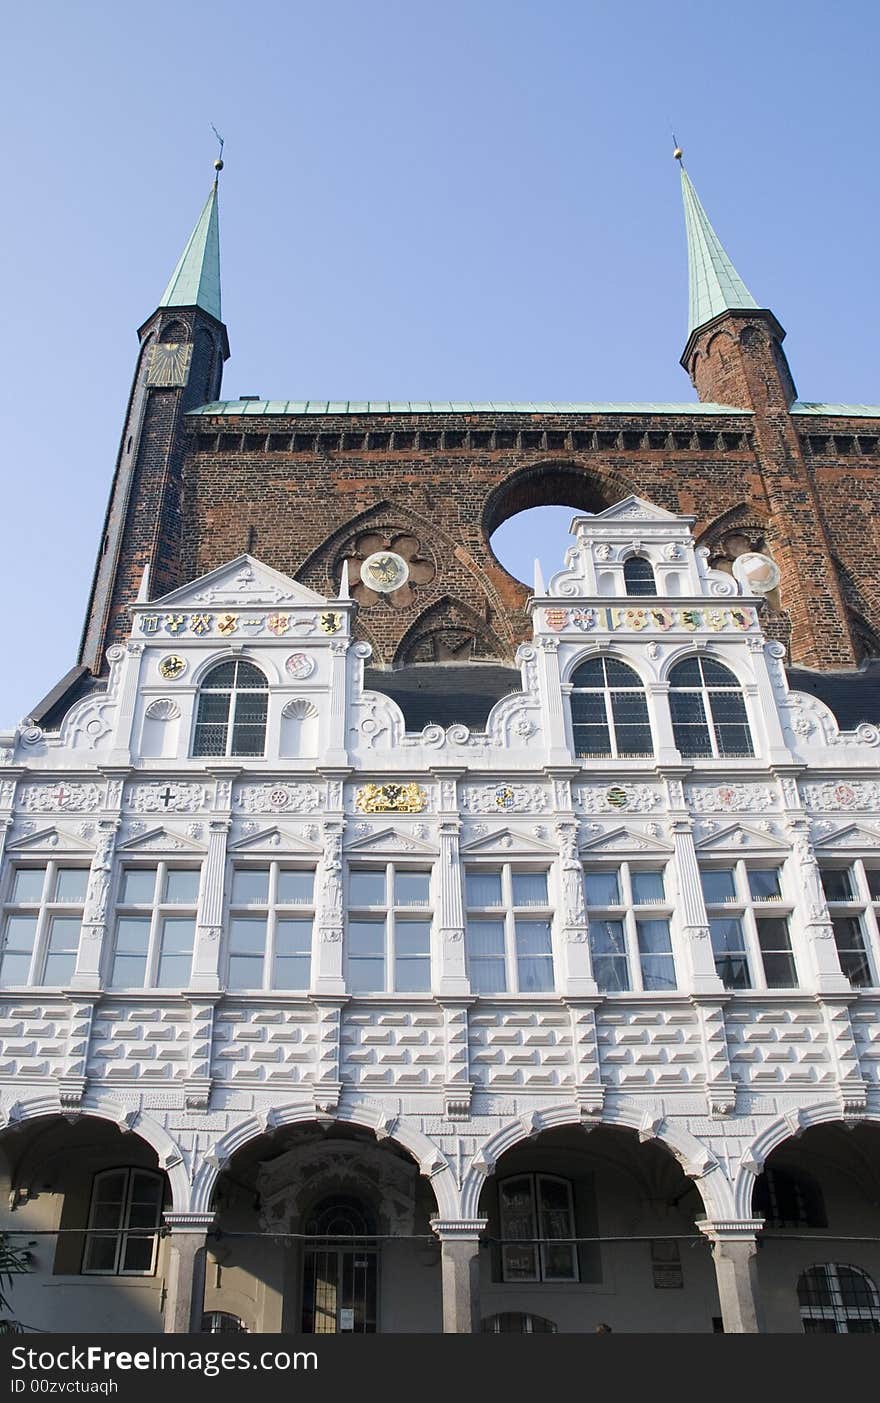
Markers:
(536, 1213)
(231, 716)
(838, 1300)
(123, 1235)
(515, 1322)
(638, 576)
(220, 1322)
(708, 710)
(609, 710)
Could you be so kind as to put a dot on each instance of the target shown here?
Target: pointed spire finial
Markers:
(144, 591)
(195, 281)
(343, 583)
(714, 284)
(677, 153)
(218, 164)
(539, 578)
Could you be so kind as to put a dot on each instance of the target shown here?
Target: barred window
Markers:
(122, 1235)
(838, 1300)
(609, 710)
(41, 924)
(638, 576)
(232, 709)
(708, 710)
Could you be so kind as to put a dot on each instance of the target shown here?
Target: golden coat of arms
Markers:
(391, 798)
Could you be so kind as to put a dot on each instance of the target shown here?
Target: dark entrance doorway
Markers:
(340, 1270)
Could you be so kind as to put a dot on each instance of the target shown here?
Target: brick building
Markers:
(390, 946)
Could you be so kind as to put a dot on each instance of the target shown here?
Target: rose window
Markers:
(370, 550)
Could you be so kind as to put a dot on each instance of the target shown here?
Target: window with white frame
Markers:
(509, 931)
(838, 1300)
(708, 710)
(155, 927)
(628, 912)
(749, 923)
(271, 919)
(609, 710)
(41, 924)
(389, 930)
(536, 1216)
(853, 896)
(232, 709)
(124, 1218)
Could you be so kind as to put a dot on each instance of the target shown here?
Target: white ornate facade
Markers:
(406, 969)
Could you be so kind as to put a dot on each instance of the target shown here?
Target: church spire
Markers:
(195, 281)
(714, 284)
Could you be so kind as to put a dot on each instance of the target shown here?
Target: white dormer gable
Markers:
(242, 583)
(632, 509)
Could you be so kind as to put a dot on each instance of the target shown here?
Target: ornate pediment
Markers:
(739, 837)
(637, 509)
(852, 838)
(625, 840)
(389, 840)
(507, 842)
(240, 583)
(50, 840)
(273, 839)
(160, 840)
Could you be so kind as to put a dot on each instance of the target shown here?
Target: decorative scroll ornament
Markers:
(165, 798)
(850, 794)
(48, 798)
(730, 797)
(619, 796)
(391, 798)
(278, 798)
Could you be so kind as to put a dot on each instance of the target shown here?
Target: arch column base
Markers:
(734, 1249)
(460, 1269)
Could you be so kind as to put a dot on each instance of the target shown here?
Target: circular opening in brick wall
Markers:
(529, 514)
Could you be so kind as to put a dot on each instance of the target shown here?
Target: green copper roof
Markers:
(195, 281)
(252, 407)
(714, 284)
(836, 411)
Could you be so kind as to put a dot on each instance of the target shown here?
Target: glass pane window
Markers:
(609, 710)
(536, 1219)
(40, 924)
(638, 576)
(231, 711)
(388, 944)
(509, 945)
(749, 925)
(271, 921)
(124, 1219)
(838, 1300)
(154, 928)
(708, 710)
(630, 941)
(854, 907)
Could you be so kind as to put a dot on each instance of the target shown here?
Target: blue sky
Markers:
(457, 201)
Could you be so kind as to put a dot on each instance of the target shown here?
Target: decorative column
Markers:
(87, 974)
(460, 1271)
(734, 1245)
(329, 919)
(451, 969)
(125, 671)
(550, 686)
(185, 1300)
(209, 923)
(575, 972)
(335, 752)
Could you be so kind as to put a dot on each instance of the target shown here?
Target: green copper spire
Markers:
(195, 281)
(714, 284)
